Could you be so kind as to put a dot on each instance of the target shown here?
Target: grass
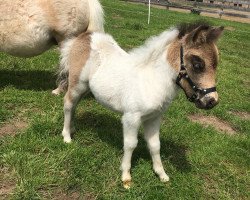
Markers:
(201, 162)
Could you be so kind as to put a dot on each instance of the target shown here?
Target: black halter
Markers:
(196, 89)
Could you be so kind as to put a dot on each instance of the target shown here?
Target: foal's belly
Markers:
(106, 96)
(107, 90)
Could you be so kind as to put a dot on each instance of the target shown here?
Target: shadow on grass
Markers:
(28, 80)
(109, 129)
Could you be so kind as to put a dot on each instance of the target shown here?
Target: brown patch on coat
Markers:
(218, 124)
(12, 127)
(173, 55)
(78, 56)
(209, 54)
(207, 51)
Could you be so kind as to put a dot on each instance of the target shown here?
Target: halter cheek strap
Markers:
(183, 74)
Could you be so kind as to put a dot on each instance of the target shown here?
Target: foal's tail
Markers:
(63, 71)
(62, 80)
(96, 19)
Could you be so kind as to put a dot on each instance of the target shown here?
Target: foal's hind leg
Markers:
(71, 99)
(151, 129)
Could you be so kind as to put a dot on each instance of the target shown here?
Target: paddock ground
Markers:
(205, 153)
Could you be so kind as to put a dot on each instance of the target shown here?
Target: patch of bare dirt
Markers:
(246, 83)
(219, 124)
(6, 189)
(116, 16)
(229, 28)
(12, 127)
(210, 185)
(63, 196)
(58, 194)
(242, 115)
(7, 184)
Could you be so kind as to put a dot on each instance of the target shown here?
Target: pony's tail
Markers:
(96, 18)
(63, 70)
(62, 79)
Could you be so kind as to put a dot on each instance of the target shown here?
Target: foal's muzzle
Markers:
(206, 102)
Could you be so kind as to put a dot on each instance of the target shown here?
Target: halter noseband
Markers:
(183, 74)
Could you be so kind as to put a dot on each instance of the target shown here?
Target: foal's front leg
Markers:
(152, 132)
(131, 124)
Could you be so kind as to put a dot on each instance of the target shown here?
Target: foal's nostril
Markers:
(211, 103)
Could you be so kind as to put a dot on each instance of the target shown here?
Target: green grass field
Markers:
(202, 162)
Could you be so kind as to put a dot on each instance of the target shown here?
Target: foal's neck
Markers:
(173, 54)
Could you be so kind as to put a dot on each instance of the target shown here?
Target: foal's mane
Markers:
(186, 28)
(153, 47)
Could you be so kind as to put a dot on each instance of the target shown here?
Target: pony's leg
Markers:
(151, 134)
(62, 82)
(71, 100)
(131, 124)
(58, 90)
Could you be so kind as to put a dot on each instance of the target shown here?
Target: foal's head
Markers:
(199, 60)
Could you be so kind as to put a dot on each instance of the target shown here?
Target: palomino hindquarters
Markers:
(142, 83)
(30, 27)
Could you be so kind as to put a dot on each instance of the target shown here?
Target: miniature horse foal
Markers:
(142, 83)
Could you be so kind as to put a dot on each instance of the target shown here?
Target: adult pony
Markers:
(30, 27)
(142, 83)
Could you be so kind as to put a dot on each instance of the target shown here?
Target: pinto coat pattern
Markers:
(140, 84)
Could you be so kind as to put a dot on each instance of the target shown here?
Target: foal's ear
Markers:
(197, 35)
(214, 34)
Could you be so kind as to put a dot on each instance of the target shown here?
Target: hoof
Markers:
(67, 140)
(56, 92)
(127, 184)
(164, 179)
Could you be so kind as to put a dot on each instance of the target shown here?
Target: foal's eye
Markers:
(197, 63)
(197, 66)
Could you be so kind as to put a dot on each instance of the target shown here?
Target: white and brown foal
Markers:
(141, 84)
